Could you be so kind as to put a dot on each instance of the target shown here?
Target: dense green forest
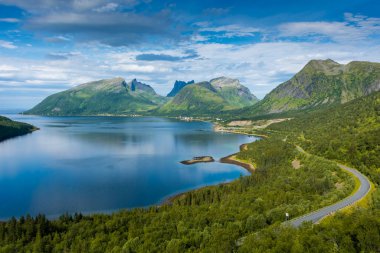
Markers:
(10, 128)
(210, 219)
(349, 133)
(357, 232)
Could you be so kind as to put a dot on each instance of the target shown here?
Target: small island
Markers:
(199, 159)
(10, 128)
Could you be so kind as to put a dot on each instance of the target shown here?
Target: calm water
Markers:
(102, 164)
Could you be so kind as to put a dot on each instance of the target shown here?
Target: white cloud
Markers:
(228, 31)
(353, 28)
(7, 44)
(4, 67)
(139, 68)
(260, 66)
(107, 8)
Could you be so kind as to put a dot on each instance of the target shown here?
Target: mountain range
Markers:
(104, 97)
(117, 97)
(320, 83)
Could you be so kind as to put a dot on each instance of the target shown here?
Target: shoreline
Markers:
(218, 128)
(230, 159)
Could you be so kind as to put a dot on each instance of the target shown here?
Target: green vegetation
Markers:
(349, 133)
(358, 232)
(211, 219)
(10, 128)
(235, 94)
(116, 97)
(208, 98)
(104, 97)
(318, 84)
(194, 99)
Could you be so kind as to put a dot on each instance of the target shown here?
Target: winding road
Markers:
(361, 192)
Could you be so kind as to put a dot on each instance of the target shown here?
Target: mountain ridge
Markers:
(319, 83)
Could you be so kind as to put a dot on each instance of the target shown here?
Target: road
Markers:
(365, 186)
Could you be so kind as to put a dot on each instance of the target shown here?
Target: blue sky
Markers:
(47, 46)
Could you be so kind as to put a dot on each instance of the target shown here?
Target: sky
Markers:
(47, 46)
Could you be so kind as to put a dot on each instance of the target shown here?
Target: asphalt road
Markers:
(317, 215)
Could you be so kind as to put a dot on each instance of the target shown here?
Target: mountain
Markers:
(138, 89)
(10, 128)
(207, 98)
(233, 92)
(321, 83)
(109, 96)
(178, 85)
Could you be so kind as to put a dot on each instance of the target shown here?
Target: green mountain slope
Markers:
(349, 133)
(195, 99)
(321, 83)
(10, 128)
(111, 96)
(233, 92)
(205, 98)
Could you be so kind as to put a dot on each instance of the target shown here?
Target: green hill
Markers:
(111, 96)
(195, 99)
(233, 92)
(10, 128)
(205, 98)
(320, 83)
(349, 133)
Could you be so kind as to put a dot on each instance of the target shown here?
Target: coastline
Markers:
(218, 128)
(230, 159)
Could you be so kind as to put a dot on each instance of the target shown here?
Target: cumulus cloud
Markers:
(107, 8)
(229, 31)
(7, 44)
(353, 28)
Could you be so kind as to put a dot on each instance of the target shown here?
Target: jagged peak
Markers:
(135, 85)
(178, 85)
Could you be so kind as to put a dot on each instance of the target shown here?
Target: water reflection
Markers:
(92, 164)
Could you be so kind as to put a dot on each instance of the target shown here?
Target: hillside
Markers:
(233, 92)
(320, 83)
(209, 98)
(10, 128)
(349, 133)
(110, 96)
(195, 99)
